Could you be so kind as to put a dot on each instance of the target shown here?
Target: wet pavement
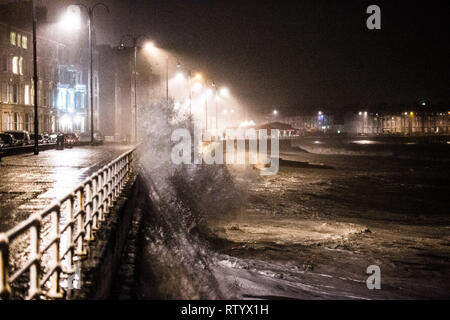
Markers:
(29, 183)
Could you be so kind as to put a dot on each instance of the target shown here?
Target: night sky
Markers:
(300, 56)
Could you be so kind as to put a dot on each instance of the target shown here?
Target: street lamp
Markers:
(135, 44)
(90, 11)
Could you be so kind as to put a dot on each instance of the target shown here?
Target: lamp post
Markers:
(90, 11)
(35, 80)
(206, 104)
(167, 81)
(190, 97)
(135, 44)
(215, 98)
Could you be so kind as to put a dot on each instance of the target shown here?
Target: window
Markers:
(15, 65)
(4, 63)
(4, 95)
(15, 98)
(21, 66)
(19, 40)
(45, 97)
(25, 42)
(13, 38)
(6, 122)
(16, 121)
(27, 94)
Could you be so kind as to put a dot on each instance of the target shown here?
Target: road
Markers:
(29, 183)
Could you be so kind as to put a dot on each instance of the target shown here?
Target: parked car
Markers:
(40, 138)
(52, 137)
(22, 137)
(46, 138)
(70, 139)
(6, 140)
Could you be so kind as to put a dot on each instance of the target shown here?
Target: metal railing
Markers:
(54, 245)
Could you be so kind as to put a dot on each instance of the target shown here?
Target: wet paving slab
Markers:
(29, 183)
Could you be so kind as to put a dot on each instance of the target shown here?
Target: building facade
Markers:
(62, 78)
(117, 91)
(320, 122)
(406, 123)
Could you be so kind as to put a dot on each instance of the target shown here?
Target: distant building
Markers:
(286, 130)
(116, 100)
(319, 122)
(406, 123)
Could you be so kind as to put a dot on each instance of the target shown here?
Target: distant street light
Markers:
(275, 112)
(70, 18)
(224, 92)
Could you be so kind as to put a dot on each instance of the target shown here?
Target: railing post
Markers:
(89, 212)
(110, 187)
(55, 291)
(106, 191)
(94, 199)
(35, 268)
(120, 175)
(71, 267)
(114, 181)
(5, 289)
(101, 196)
(81, 251)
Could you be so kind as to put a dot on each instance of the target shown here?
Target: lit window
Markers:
(27, 94)
(21, 66)
(25, 42)
(13, 38)
(15, 65)
(19, 39)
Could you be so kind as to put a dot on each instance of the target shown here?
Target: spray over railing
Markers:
(55, 238)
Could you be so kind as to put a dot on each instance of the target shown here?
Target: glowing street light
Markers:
(150, 47)
(224, 92)
(179, 76)
(71, 19)
(275, 112)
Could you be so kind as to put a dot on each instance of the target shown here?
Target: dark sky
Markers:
(301, 55)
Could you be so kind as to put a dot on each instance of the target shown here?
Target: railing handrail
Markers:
(94, 196)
